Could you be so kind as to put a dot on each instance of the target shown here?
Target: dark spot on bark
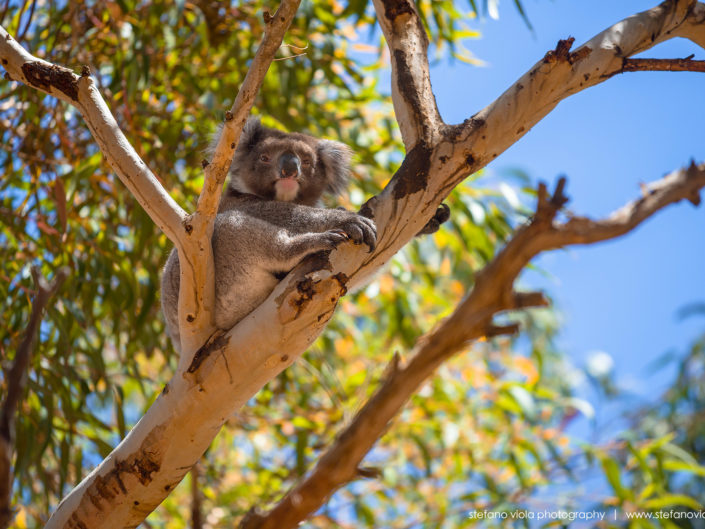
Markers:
(228, 115)
(46, 76)
(217, 342)
(232, 145)
(121, 467)
(475, 123)
(76, 522)
(412, 176)
(284, 358)
(135, 502)
(342, 280)
(366, 209)
(586, 76)
(4, 61)
(561, 53)
(306, 291)
(166, 389)
(167, 487)
(618, 50)
(443, 159)
(7, 76)
(188, 228)
(305, 288)
(279, 275)
(405, 82)
(520, 130)
(85, 71)
(394, 8)
(95, 500)
(519, 86)
(205, 163)
(190, 318)
(469, 159)
(143, 462)
(579, 54)
(653, 37)
(453, 132)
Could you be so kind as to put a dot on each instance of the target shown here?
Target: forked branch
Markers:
(471, 320)
(181, 423)
(197, 291)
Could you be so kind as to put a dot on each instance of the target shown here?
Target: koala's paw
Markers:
(360, 230)
(441, 215)
(332, 238)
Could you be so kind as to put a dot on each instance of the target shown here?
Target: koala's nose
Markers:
(289, 165)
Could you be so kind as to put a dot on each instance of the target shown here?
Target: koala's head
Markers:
(290, 167)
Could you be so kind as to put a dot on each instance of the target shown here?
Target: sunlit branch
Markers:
(472, 319)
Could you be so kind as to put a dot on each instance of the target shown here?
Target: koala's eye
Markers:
(264, 158)
(306, 161)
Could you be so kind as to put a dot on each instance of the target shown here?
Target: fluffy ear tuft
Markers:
(334, 159)
(251, 134)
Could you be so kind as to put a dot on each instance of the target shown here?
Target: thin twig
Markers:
(663, 65)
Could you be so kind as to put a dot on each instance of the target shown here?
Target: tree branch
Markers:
(16, 379)
(663, 65)
(217, 170)
(559, 74)
(231, 367)
(196, 296)
(180, 415)
(81, 92)
(471, 320)
(197, 285)
(414, 102)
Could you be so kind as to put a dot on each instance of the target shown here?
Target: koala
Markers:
(269, 219)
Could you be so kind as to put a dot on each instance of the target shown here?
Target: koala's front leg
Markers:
(290, 249)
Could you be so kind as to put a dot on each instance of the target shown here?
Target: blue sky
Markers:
(622, 296)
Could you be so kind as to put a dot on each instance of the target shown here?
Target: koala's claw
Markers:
(361, 230)
(335, 237)
(441, 215)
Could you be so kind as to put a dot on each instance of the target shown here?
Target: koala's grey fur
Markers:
(269, 220)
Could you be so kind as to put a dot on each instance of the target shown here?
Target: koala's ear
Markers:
(251, 134)
(334, 160)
